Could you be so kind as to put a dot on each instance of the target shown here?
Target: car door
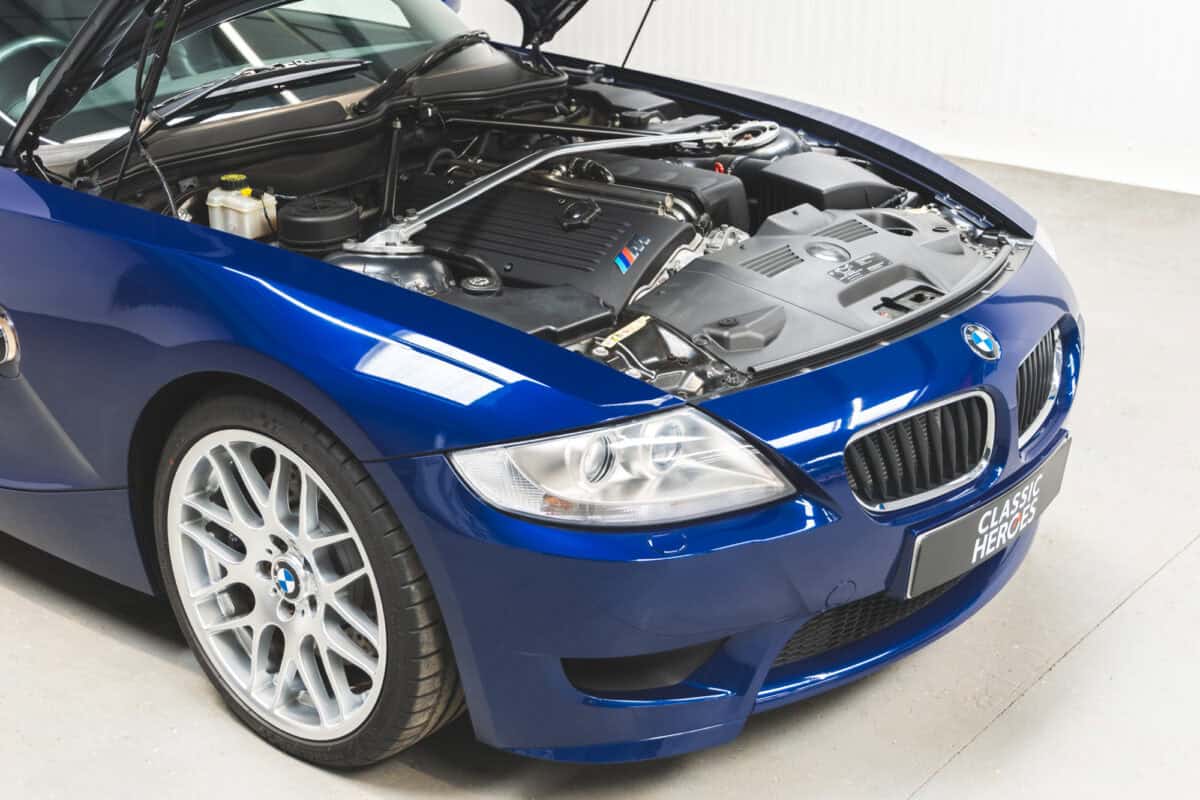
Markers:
(63, 374)
(36, 454)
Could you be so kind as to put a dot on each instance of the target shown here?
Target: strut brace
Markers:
(397, 237)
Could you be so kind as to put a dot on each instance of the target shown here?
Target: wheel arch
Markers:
(162, 413)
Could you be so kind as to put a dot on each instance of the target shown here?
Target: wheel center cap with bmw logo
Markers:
(982, 342)
(287, 580)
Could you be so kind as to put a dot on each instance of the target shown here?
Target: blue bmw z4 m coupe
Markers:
(424, 375)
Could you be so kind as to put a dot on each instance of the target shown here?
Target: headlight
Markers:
(1042, 237)
(664, 468)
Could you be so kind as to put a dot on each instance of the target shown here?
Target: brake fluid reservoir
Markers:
(234, 208)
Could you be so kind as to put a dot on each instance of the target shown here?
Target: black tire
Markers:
(420, 689)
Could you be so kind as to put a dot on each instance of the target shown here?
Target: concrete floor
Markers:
(1080, 677)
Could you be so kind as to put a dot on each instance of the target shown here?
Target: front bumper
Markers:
(520, 597)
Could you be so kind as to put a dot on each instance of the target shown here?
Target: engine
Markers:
(683, 248)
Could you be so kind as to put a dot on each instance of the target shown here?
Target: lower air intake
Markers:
(853, 622)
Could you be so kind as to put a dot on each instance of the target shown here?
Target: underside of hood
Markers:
(109, 41)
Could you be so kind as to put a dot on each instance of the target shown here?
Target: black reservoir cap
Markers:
(318, 224)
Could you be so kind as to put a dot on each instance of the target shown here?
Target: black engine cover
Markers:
(811, 280)
(533, 237)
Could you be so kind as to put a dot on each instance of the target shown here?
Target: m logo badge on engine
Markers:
(630, 252)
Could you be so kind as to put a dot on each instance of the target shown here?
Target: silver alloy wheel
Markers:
(276, 585)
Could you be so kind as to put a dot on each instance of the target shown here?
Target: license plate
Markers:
(950, 550)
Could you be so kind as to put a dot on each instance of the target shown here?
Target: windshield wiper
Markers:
(402, 75)
(257, 80)
(243, 83)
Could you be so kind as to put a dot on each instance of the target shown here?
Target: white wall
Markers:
(1108, 90)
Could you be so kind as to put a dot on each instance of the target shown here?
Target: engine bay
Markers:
(690, 250)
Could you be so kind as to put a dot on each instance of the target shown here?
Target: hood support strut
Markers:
(165, 23)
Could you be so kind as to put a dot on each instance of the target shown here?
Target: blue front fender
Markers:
(112, 303)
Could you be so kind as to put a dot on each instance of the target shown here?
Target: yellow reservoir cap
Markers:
(235, 182)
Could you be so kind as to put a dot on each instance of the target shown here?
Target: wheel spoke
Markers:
(278, 497)
(283, 680)
(332, 539)
(260, 493)
(358, 620)
(338, 584)
(310, 675)
(232, 624)
(235, 498)
(209, 510)
(216, 587)
(308, 519)
(260, 644)
(281, 498)
(346, 699)
(211, 545)
(348, 651)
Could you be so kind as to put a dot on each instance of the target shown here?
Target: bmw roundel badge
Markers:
(982, 342)
(286, 581)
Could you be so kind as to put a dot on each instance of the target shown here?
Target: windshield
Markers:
(386, 33)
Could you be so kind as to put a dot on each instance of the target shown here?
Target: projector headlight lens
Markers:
(674, 466)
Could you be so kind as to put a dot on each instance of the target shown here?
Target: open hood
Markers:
(110, 39)
(108, 42)
(544, 18)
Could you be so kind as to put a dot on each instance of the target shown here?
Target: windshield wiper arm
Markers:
(252, 81)
(402, 75)
(243, 83)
